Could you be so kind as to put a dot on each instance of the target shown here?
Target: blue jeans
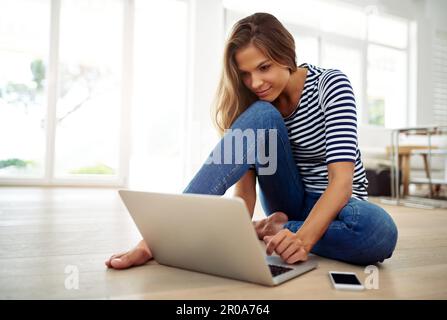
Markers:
(362, 233)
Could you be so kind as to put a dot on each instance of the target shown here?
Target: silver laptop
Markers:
(208, 234)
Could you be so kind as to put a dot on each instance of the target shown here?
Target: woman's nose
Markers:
(257, 83)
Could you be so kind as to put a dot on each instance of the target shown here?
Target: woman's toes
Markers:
(140, 256)
(121, 262)
(108, 261)
(135, 257)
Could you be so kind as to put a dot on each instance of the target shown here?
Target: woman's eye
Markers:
(265, 68)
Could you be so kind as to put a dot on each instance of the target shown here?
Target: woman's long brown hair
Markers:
(267, 34)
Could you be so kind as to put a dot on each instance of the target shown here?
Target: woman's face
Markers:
(261, 75)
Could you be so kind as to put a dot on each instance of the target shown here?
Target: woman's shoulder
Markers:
(322, 75)
(323, 72)
(312, 69)
(324, 78)
(330, 77)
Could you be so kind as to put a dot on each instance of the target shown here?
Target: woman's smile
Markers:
(263, 93)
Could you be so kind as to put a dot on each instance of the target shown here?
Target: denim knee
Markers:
(390, 233)
(377, 232)
(260, 114)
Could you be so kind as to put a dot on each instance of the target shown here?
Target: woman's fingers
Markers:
(275, 241)
(260, 228)
(300, 255)
(287, 245)
(291, 250)
(267, 239)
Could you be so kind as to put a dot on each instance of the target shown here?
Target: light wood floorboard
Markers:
(44, 230)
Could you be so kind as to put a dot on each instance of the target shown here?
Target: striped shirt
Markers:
(323, 130)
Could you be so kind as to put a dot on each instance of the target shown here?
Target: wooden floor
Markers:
(43, 231)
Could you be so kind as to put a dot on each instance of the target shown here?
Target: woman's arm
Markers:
(245, 188)
(340, 120)
(293, 247)
(335, 197)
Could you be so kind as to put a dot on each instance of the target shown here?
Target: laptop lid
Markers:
(204, 233)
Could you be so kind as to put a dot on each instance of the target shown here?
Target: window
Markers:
(24, 41)
(89, 88)
(370, 47)
(387, 87)
(388, 30)
(82, 82)
(387, 71)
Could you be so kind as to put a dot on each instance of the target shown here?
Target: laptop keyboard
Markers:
(277, 270)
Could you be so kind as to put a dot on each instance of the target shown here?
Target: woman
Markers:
(316, 199)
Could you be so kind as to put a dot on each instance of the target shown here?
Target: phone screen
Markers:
(341, 278)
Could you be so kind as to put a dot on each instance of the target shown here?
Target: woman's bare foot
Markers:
(271, 225)
(135, 257)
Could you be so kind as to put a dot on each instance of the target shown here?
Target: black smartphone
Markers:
(345, 280)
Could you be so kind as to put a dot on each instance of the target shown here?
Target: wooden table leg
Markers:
(405, 174)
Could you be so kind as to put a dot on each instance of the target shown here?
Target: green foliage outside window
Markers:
(376, 111)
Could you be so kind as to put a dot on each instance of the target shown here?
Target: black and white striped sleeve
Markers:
(340, 117)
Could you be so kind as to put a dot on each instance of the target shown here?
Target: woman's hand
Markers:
(270, 225)
(288, 245)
